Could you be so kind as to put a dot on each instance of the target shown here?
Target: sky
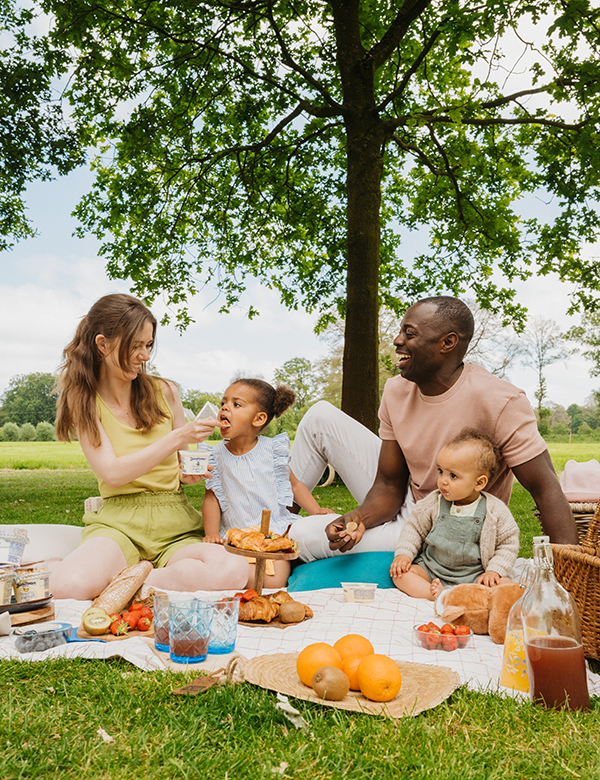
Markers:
(49, 282)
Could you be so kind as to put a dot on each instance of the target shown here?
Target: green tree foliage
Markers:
(34, 138)
(541, 345)
(29, 398)
(588, 335)
(581, 415)
(300, 142)
(45, 432)
(298, 374)
(10, 432)
(28, 432)
(194, 400)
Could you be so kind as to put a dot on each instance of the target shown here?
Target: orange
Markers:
(350, 666)
(313, 657)
(353, 644)
(379, 678)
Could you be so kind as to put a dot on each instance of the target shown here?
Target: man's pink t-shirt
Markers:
(422, 424)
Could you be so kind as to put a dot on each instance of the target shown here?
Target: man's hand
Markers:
(400, 564)
(345, 532)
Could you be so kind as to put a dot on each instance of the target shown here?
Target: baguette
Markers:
(117, 594)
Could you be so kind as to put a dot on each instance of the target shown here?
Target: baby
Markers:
(458, 533)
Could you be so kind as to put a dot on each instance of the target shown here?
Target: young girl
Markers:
(251, 472)
(458, 533)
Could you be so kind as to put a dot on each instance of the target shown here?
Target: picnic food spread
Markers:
(321, 667)
(95, 621)
(267, 608)
(247, 539)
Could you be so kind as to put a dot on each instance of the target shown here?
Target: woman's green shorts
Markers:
(146, 526)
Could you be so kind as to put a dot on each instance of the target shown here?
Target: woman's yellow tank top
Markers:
(126, 440)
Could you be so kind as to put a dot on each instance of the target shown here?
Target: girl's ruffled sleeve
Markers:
(214, 483)
(281, 459)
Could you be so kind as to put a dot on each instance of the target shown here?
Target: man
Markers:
(433, 399)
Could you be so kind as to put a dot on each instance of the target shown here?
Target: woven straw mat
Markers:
(423, 686)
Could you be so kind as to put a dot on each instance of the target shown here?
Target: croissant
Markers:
(279, 597)
(254, 540)
(258, 608)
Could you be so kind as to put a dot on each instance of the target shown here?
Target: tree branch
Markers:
(411, 10)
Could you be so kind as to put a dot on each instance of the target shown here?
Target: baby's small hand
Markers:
(324, 511)
(400, 564)
(489, 579)
(214, 539)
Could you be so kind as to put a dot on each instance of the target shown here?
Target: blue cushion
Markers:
(354, 567)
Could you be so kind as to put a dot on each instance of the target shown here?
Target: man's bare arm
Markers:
(539, 478)
(382, 503)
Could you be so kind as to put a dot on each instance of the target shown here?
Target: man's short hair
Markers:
(453, 315)
(486, 449)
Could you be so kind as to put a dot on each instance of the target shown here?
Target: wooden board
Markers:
(268, 556)
(33, 616)
(83, 634)
(275, 623)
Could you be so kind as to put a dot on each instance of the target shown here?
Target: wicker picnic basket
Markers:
(577, 568)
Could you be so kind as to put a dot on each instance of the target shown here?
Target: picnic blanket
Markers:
(387, 623)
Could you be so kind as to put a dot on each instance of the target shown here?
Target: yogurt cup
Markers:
(7, 578)
(194, 462)
(12, 544)
(31, 583)
(359, 592)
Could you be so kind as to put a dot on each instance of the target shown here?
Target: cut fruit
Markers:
(96, 623)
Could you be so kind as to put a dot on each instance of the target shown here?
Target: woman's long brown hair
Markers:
(119, 318)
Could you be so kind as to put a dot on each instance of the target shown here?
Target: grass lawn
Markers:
(51, 711)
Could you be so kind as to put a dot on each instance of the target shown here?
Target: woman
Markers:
(130, 426)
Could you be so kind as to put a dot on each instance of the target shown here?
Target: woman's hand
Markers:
(198, 431)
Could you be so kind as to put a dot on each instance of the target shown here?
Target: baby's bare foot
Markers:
(436, 589)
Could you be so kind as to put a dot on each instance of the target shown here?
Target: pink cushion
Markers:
(581, 481)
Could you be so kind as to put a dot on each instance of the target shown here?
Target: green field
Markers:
(52, 710)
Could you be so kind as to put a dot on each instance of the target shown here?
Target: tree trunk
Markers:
(365, 135)
(360, 383)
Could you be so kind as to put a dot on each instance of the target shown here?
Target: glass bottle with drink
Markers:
(552, 632)
(514, 664)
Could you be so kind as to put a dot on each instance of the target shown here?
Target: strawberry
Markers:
(135, 607)
(144, 624)
(147, 612)
(449, 642)
(119, 627)
(448, 628)
(463, 634)
(131, 618)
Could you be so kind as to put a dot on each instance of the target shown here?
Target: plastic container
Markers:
(553, 646)
(7, 578)
(12, 544)
(194, 462)
(359, 592)
(426, 640)
(43, 636)
(514, 663)
(32, 583)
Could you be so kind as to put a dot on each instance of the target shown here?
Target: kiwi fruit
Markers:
(95, 621)
(330, 683)
(291, 612)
